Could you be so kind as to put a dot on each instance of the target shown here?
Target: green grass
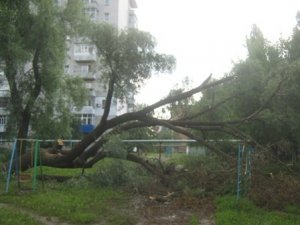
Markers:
(194, 220)
(88, 200)
(78, 206)
(79, 200)
(243, 212)
(10, 216)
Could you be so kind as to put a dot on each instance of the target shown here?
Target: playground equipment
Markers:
(15, 163)
(244, 159)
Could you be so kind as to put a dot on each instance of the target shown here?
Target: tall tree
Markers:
(265, 90)
(33, 46)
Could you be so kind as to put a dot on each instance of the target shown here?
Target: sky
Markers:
(207, 37)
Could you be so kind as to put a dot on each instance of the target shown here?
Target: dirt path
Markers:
(172, 212)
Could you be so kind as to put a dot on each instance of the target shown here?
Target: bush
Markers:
(204, 176)
(117, 172)
(113, 174)
(276, 191)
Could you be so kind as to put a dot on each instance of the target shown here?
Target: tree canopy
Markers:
(33, 50)
(261, 100)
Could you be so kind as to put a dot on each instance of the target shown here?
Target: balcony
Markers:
(91, 3)
(85, 57)
(84, 110)
(85, 52)
(132, 19)
(87, 76)
(84, 73)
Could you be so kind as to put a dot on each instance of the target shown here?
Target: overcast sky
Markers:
(208, 36)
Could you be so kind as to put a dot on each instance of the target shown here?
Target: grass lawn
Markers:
(243, 212)
(79, 201)
(75, 205)
(75, 201)
(10, 216)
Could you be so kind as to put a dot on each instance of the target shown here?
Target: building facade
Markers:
(82, 58)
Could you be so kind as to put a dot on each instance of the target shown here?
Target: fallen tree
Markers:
(128, 58)
(91, 148)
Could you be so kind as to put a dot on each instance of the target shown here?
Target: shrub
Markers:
(204, 175)
(276, 191)
(117, 172)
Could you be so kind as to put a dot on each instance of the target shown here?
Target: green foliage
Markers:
(115, 147)
(194, 220)
(233, 212)
(128, 57)
(55, 113)
(112, 172)
(4, 154)
(204, 176)
(269, 70)
(181, 108)
(33, 51)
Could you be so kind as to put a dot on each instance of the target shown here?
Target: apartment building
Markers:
(82, 59)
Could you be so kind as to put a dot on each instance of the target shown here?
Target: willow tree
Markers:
(33, 48)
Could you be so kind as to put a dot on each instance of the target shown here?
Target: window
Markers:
(82, 69)
(3, 120)
(58, 2)
(103, 103)
(89, 1)
(67, 68)
(106, 17)
(92, 12)
(85, 118)
(91, 101)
